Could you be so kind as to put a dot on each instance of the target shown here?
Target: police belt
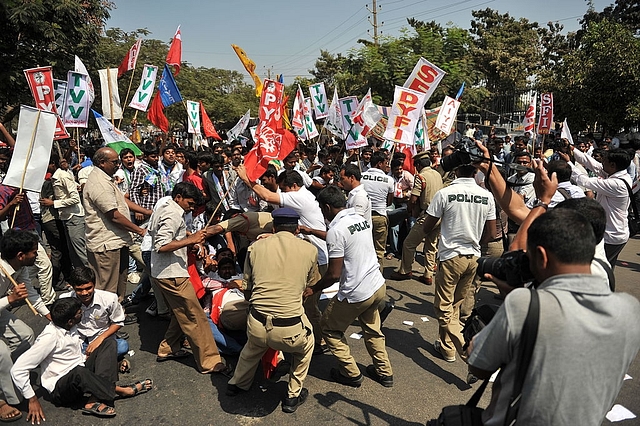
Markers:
(277, 322)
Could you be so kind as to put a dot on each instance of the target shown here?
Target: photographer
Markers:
(580, 321)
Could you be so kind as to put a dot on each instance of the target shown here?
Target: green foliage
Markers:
(45, 32)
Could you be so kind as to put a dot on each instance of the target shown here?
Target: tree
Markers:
(45, 32)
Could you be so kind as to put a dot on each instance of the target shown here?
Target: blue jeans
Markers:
(121, 344)
(227, 345)
(396, 218)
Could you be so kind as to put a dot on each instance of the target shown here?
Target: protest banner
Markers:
(424, 78)
(545, 121)
(113, 137)
(193, 112)
(364, 120)
(79, 67)
(319, 97)
(333, 123)
(142, 97)
(297, 116)
(60, 90)
(405, 113)
(240, 126)
(348, 106)
(168, 89)
(310, 125)
(30, 159)
(447, 115)
(41, 84)
(76, 105)
(529, 121)
(130, 59)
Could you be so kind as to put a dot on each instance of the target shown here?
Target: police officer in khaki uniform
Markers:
(426, 183)
(276, 272)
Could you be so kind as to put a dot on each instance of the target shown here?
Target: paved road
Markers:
(424, 383)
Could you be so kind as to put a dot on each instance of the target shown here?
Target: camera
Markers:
(466, 152)
(512, 267)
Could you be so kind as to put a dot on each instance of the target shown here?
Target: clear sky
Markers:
(286, 35)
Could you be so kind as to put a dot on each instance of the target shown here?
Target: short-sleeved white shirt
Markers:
(305, 204)
(349, 237)
(464, 207)
(358, 199)
(378, 185)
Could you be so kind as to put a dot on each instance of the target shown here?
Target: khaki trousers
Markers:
(187, 317)
(453, 281)
(414, 238)
(491, 249)
(296, 340)
(380, 232)
(338, 317)
(111, 270)
(311, 309)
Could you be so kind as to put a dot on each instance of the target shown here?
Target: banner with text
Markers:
(309, 124)
(424, 78)
(545, 122)
(41, 84)
(319, 97)
(405, 113)
(60, 89)
(193, 110)
(111, 106)
(76, 105)
(333, 123)
(297, 115)
(447, 115)
(141, 98)
(348, 107)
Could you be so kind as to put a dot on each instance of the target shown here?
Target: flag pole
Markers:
(26, 163)
(113, 122)
(126, 98)
(15, 284)
(217, 208)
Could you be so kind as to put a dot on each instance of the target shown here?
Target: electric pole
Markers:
(374, 12)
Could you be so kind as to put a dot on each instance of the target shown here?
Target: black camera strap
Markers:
(528, 339)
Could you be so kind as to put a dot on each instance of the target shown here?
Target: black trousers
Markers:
(98, 377)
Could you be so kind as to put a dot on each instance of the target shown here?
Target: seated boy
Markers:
(102, 315)
(66, 373)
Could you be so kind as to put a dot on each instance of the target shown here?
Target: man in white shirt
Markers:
(611, 191)
(293, 194)
(65, 372)
(380, 187)
(362, 288)
(467, 213)
(358, 199)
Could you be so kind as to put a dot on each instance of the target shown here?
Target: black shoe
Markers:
(122, 335)
(319, 349)
(281, 369)
(386, 381)
(290, 405)
(354, 382)
(129, 301)
(233, 390)
(130, 319)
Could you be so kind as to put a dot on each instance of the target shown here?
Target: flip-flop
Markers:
(146, 386)
(124, 366)
(176, 355)
(11, 419)
(94, 410)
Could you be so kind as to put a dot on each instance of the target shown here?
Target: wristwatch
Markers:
(542, 204)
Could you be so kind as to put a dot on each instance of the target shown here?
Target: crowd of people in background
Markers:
(237, 267)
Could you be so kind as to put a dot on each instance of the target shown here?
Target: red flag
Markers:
(256, 162)
(129, 61)
(174, 57)
(409, 151)
(207, 125)
(156, 114)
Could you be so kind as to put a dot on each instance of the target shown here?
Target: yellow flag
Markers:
(250, 66)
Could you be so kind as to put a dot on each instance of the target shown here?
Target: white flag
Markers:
(367, 115)
(193, 111)
(348, 107)
(333, 123)
(76, 104)
(60, 89)
(405, 114)
(566, 133)
(424, 78)
(240, 126)
(31, 154)
(111, 108)
(113, 137)
(297, 116)
(447, 115)
(141, 98)
(319, 97)
(310, 126)
(79, 67)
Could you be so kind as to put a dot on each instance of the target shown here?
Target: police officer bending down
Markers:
(276, 272)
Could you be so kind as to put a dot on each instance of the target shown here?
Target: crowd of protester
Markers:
(237, 267)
